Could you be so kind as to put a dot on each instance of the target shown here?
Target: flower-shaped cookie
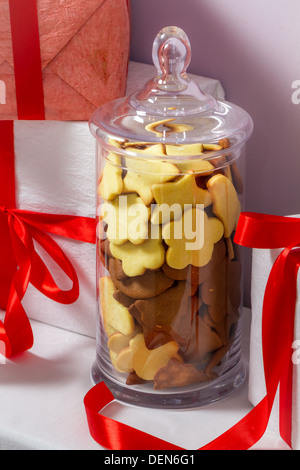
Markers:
(136, 259)
(127, 219)
(191, 239)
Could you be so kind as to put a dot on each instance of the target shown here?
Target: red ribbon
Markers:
(255, 231)
(26, 227)
(27, 59)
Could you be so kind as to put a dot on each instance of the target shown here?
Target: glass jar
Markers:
(170, 191)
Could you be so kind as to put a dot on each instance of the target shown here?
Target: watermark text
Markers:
(296, 93)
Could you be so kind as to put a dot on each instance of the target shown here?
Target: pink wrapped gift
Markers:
(83, 49)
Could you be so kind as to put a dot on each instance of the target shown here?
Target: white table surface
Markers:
(42, 391)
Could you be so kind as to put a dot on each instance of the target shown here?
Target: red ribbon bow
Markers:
(25, 228)
(255, 231)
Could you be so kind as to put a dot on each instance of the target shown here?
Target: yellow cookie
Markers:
(147, 362)
(137, 258)
(143, 173)
(116, 317)
(226, 205)
(191, 239)
(212, 147)
(182, 192)
(187, 165)
(127, 219)
(111, 183)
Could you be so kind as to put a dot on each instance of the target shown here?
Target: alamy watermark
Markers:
(296, 93)
(296, 353)
(179, 223)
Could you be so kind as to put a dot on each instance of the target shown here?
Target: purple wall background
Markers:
(253, 48)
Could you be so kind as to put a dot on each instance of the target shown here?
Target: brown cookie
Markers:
(123, 299)
(134, 379)
(194, 274)
(183, 325)
(214, 292)
(217, 357)
(156, 338)
(104, 252)
(221, 327)
(234, 284)
(160, 311)
(203, 341)
(104, 247)
(149, 284)
(179, 374)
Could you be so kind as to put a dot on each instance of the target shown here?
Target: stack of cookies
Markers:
(169, 272)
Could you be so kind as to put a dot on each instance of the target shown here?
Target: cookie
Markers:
(184, 323)
(204, 341)
(111, 182)
(216, 358)
(104, 247)
(221, 327)
(136, 259)
(134, 379)
(143, 173)
(226, 205)
(179, 374)
(198, 275)
(147, 362)
(118, 341)
(127, 219)
(155, 338)
(115, 316)
(123, 299)
(214, 292)
(186, 164)
(170, 196)
(149, 284)
(160, 311)
(197, 251)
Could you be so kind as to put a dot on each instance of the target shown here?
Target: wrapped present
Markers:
(61, 182)
(262, 262)
(72, 55)
(55, 173)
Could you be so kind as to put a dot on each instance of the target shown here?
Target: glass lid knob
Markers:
(171, 53)
(172, 92)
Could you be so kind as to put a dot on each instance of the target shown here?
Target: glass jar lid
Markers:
(171, 108)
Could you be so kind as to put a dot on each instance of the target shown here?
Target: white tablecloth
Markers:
(42, 391)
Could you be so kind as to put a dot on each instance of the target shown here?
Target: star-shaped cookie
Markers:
(171, 197)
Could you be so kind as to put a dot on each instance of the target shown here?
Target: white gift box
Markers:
(262, 262)
(55, 169)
